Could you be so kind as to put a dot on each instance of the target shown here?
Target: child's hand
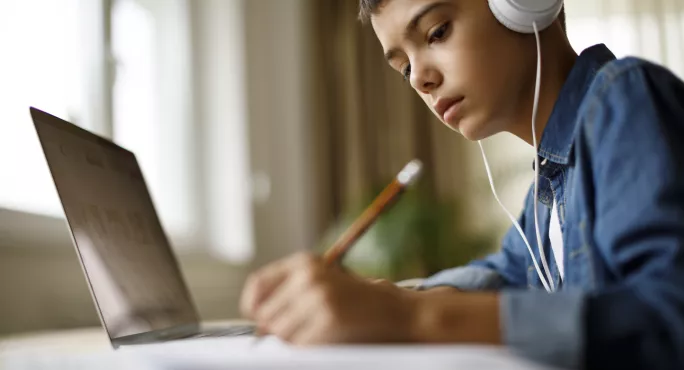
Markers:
(303, 301)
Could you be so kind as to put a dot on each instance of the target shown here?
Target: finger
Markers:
(313, 330)
(280, 299)
(261, 284)
(294, 319)
(260, 331)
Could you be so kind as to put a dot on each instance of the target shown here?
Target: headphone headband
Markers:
(520, 15)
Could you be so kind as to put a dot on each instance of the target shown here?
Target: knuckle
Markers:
(256, 283)
(310, 275)
(306, 259)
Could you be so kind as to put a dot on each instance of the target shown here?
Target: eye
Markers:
(440, 33)
(407, 72)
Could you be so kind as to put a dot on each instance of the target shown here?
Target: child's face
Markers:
(459, 57)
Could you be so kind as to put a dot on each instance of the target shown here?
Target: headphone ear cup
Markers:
(520, 15)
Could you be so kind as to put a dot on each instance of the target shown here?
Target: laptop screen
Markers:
(130, 267)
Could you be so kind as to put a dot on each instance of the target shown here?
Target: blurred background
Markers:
(262, 127)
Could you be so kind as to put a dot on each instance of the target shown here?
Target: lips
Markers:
(447, 108)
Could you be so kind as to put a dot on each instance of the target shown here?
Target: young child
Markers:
(594, 277)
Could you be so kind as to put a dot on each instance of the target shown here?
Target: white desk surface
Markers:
(90, 349)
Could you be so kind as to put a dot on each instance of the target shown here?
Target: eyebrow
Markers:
(413, 24)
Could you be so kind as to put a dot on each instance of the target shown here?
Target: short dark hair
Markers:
(369, 7)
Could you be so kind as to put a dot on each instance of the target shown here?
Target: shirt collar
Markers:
(559, 134)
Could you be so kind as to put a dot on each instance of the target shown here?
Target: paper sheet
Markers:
(270, 353)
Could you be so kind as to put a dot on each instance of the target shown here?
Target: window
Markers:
(179, 105)
(40, 67)
(152, 106)
(141, 83)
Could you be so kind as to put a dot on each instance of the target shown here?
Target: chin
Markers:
(473, 130)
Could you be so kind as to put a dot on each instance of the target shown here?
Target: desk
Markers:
(89, 349)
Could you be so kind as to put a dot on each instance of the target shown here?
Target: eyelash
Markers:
(407, 72)
(438, 35)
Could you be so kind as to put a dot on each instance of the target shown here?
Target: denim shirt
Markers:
(613, 160)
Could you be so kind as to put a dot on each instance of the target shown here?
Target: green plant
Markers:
(419, 236)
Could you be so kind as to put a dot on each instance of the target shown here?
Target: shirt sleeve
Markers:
(639, 227)
(504, 269)
(632, 134)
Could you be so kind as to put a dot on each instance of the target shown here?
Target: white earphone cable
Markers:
(510, 216)
(547, 281)
(535, 108)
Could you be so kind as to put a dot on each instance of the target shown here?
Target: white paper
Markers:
(270, 353)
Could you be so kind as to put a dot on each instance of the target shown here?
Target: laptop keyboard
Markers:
(232, 331)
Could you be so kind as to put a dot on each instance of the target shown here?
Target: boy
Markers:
(611, 181)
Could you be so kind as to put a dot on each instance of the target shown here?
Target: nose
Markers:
(425, 78)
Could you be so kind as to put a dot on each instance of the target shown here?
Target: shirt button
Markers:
(542, 164)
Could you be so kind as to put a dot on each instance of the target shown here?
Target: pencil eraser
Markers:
(410, 173)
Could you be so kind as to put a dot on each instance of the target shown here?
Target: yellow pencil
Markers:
(382, 202)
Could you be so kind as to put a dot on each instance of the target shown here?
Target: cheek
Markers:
(487, 72)
(502, 88)
(490, 91)
(491, 76)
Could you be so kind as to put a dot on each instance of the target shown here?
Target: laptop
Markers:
(134, 277)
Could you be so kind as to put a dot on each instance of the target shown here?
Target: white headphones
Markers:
(520, 15)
